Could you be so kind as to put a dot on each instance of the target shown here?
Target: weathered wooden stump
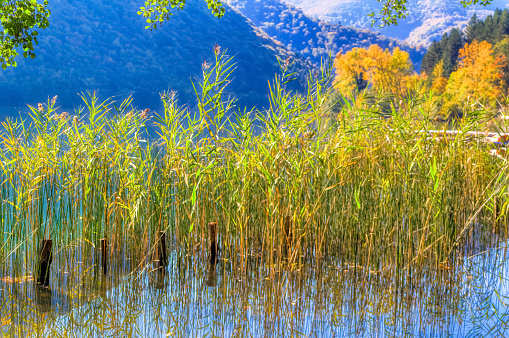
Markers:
(213, 242)
(45, 259)
(104, 255)
(162, 257)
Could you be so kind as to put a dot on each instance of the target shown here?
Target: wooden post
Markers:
(104, 255)
(288, 234)
(45, 259)
(497, 211)
(213, 242)
(161, 249)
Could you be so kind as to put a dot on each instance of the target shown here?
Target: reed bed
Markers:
(291, 187)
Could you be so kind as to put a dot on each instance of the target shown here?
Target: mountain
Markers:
(312, 38)
(104, 46)
(427, 20)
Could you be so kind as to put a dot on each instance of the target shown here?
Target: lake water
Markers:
(325, 298)
(23, 112)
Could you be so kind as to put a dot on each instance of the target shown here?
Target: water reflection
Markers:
(332, 298)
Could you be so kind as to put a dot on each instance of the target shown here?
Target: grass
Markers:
(290, 188)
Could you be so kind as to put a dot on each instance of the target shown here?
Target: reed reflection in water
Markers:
(322, 298)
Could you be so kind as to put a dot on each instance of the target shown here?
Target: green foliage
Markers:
(18, 18)
(466, 3)
(391, 12)
(158, 11)
(492, 29)
(394, 10)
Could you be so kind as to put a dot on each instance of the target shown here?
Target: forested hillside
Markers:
(494, 30)
(312, 38)
(427, 19)
(104, 46)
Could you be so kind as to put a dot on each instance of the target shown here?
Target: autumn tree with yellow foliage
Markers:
(361, 68)
(387, 75)
(478, 75)
(439, 82)
(351, 74)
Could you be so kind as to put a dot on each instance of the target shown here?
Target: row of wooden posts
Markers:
(46, 245)
(46, 254)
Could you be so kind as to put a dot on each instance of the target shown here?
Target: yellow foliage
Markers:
(379, 68)
(438, 71)
(478, 75)
(439, 83)
(350, 71)
(414, 84)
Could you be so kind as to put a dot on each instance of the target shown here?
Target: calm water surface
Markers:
(320, 299)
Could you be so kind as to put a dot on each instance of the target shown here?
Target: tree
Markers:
(385, 70)
(501, 51)
(451, 50)
(432, 57)
(439, 82)
(492, 29)
(478, 76)
(21, 20)
(350, 71)
(445, 51)
(503, 24)
(18, 18)
(158, 11)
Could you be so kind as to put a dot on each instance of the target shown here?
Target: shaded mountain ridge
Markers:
(313, 39)
(103, 46)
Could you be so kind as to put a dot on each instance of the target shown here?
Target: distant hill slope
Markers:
(103, 45)
(427, 19)
(311, 38)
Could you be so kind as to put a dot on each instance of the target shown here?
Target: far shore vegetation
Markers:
(461, 70)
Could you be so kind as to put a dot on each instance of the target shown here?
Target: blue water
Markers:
(194, 299)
